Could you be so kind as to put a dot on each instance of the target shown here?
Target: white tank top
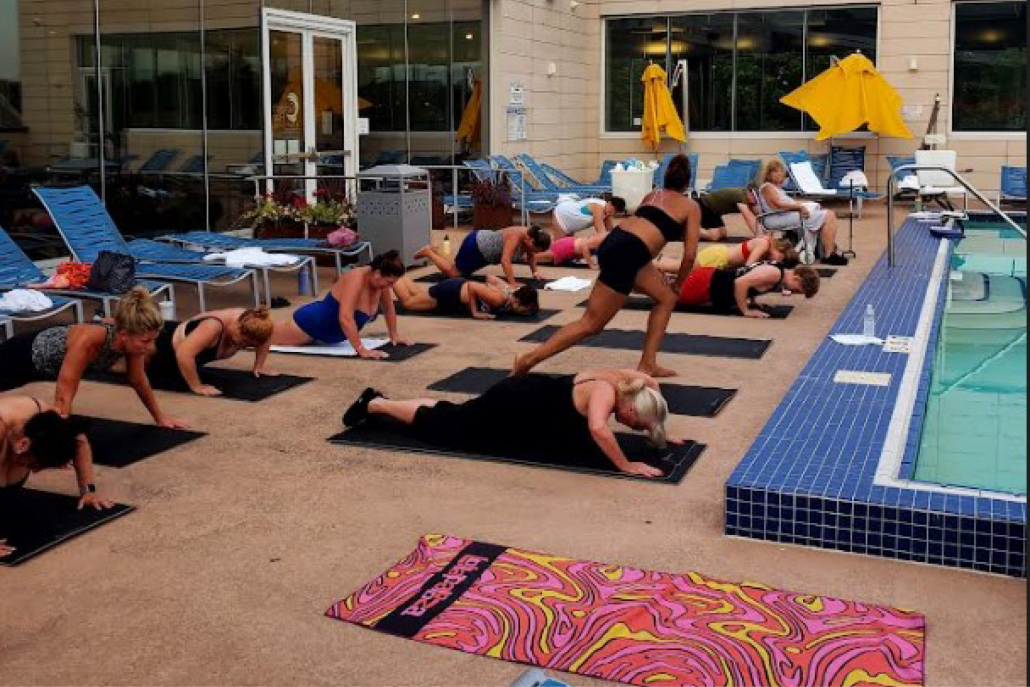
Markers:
(576, 215)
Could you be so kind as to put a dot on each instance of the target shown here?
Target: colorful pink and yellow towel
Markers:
(633, 626)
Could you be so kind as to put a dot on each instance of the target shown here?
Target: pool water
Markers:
(975, 433)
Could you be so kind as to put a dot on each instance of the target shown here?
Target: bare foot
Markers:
(521, 366)
(657, 371)
(423, 253)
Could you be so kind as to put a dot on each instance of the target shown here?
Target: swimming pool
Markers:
(975, 432)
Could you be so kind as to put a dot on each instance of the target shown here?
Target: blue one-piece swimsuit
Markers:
(321, 320)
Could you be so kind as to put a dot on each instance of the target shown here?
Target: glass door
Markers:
(311, 104)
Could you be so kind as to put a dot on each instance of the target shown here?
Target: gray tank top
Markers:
(491, 246)
(51, 347)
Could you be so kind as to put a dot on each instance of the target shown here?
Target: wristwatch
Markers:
(87, 489)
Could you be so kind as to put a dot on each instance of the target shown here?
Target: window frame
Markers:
(799, 134)
(962, 134)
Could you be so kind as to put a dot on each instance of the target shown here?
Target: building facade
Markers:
(440, 81)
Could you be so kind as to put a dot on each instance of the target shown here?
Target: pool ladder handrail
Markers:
(892, 188)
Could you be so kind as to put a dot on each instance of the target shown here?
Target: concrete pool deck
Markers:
(242, 540)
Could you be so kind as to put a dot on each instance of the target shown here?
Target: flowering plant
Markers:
(330, 212)
(491, 192)
(275, 208)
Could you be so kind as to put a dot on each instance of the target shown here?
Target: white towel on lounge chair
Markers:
(253, 257)
(25, 300)
(341, 350)
(808, 181)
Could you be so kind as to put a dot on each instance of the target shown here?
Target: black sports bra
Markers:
(750, 268)
(208, 355)
(670, 228)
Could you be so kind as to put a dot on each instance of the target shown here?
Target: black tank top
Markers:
(752, 293)
(670, 228)
(208, 355)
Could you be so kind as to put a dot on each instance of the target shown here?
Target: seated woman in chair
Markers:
(464, 297)
(814, 219)
(573, 411)
(351, 304)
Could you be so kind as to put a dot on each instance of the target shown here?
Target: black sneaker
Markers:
(836, 260)
(357, 414)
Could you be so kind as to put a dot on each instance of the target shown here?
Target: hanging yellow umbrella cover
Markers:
(471, 128)
(660, 114)
(848, 95)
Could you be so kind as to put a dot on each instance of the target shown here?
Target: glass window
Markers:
(705, 43)
(429, 60)
(990, 66)
(763, 55)
(381, 79)
(632, 45)
(770, 64)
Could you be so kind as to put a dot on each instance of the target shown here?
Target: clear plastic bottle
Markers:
(869, 324)
(919, 203)
(445, 248)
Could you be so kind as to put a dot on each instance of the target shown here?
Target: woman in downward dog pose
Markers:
(464, 297)
(626, 260)
(573, 411)
(353, 301)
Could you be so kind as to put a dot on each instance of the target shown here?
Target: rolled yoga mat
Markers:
(778, 312)
(685, 344)
(119, 444)
(235, 385)
(540, 316)
(675, 461)
(36, 521)
(695, 401)
(639, 627)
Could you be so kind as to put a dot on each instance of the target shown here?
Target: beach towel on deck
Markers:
(633, 626)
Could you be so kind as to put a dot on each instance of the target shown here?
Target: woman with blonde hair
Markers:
(184, 348)
(815, 220)
(752, 252)
(572, 412)
(67, 353)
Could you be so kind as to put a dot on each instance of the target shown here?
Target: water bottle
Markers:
(869, 326)
(446, 247)
(919, 203)
(304, 281)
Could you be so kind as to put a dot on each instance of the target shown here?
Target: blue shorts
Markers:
(469, 259)
(321, 320)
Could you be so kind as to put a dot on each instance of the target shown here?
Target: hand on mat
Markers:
(94, 501)
(207, 390)
(484, 316)
(5, 550)
(366, 354)
(757, 314)
(266, 373)
(172, 423)
(401, 341)
(643, 470)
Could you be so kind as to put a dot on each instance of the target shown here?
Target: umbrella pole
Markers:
(850, 252)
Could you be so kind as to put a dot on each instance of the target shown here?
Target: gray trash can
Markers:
(395, 209)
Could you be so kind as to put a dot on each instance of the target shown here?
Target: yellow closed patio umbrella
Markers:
(848, 95)
(660, 114)
(471, 128)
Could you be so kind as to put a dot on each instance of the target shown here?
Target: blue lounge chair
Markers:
(663, 169)
(730, 176)
(159, 161)
(604, 178)
(538, 172)
(87, 229)
(821, 193)
(567, 180)
(524, 194)
(842, 162)
(17, 270)
(1013, 185)
(210, 240)
(8, 318)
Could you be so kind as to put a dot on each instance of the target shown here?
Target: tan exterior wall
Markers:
(559, 132)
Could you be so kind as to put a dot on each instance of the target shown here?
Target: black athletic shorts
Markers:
(621, 257)
(709, 218)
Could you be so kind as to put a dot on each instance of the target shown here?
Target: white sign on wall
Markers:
(517, 95)
(518, 124)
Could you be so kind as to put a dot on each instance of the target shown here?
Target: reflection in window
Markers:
(633, 44)
(705, 42)
(764, 55)
(990, 66)
(381, 82)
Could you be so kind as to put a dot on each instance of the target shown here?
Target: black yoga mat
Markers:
(438, 277)
(398, 354)
(119, 444)
(778, 312)
(694, 401)
(36, 521)
(235, 385)
(675, 461)
(540, 316)
(826, 272)
(686, 344)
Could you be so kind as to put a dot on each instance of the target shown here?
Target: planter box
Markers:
(492, 216)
